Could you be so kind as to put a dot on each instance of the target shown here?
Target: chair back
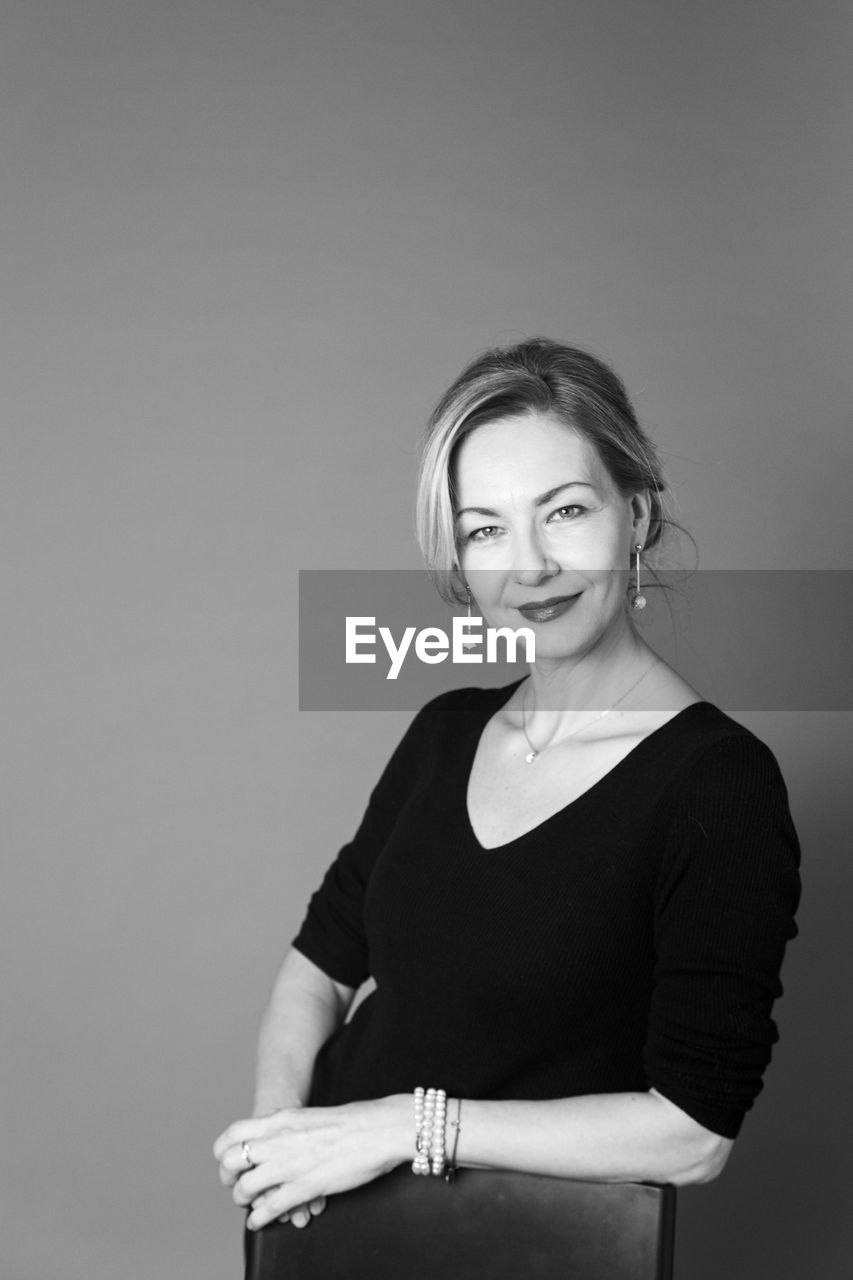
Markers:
(486, 1225)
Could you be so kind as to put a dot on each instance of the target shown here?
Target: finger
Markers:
(246, 1155)
(273, 1203)
(253, 1185)
(233, 1167)
(299, 1215)
(305, 1212)
(246, 1131)
(235, 1162)
(261, 1179)
(314, 1207)
(268, 1170)
(230, 1177)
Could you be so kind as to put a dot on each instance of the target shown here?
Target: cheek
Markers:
(597, 549)
(607, 588)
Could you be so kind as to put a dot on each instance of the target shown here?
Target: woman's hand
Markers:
(300, 1155)
(303, 1213)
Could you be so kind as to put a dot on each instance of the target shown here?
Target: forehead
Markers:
(529, 452)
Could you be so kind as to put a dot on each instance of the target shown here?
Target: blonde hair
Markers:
(539, 376)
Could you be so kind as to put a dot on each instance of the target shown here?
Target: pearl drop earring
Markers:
(638, 600)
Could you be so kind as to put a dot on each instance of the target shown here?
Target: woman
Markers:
(574, 893)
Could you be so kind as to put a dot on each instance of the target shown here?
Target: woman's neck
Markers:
(589, 682)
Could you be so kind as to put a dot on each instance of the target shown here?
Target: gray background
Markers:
(243, 247)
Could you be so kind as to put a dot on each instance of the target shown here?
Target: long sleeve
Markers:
(332, 934)
(727, 891)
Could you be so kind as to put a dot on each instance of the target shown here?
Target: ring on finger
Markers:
(247, 1156)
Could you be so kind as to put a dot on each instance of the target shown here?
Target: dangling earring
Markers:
(469, 644)
(638, 600)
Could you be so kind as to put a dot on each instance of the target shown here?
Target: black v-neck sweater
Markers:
(632, 940)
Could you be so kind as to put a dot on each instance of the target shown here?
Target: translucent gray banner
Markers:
(746, 639)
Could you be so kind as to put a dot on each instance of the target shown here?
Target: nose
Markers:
(533, 563)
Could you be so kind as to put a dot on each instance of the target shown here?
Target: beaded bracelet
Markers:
(430, 1120)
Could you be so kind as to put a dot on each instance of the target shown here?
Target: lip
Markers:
(545, 610)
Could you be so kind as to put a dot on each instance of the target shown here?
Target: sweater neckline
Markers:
(472, 743)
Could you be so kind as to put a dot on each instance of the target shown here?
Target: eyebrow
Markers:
(537, 502)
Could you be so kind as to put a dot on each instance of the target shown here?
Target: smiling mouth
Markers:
(545, 610)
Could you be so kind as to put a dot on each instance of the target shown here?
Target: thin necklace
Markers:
(535, 752)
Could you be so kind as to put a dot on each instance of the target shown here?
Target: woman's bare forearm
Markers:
(619, 1137)
(304, 1009)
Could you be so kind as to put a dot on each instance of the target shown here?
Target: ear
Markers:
(641, 513)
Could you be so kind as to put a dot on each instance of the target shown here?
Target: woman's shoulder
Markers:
(704, 729)
(724, 813)
(717, 762)
(690, 724)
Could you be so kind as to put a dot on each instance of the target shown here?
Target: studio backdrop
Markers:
(244, 247)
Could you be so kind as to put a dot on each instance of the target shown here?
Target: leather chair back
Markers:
(486, 1225)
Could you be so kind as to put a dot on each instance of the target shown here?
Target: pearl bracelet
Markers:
(430, 1120)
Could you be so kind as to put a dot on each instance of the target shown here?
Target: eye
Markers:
(484, 534)
(566, 513)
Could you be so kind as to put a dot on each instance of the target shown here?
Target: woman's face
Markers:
(544, 536)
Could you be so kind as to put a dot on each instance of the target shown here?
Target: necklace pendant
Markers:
(531, 756)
